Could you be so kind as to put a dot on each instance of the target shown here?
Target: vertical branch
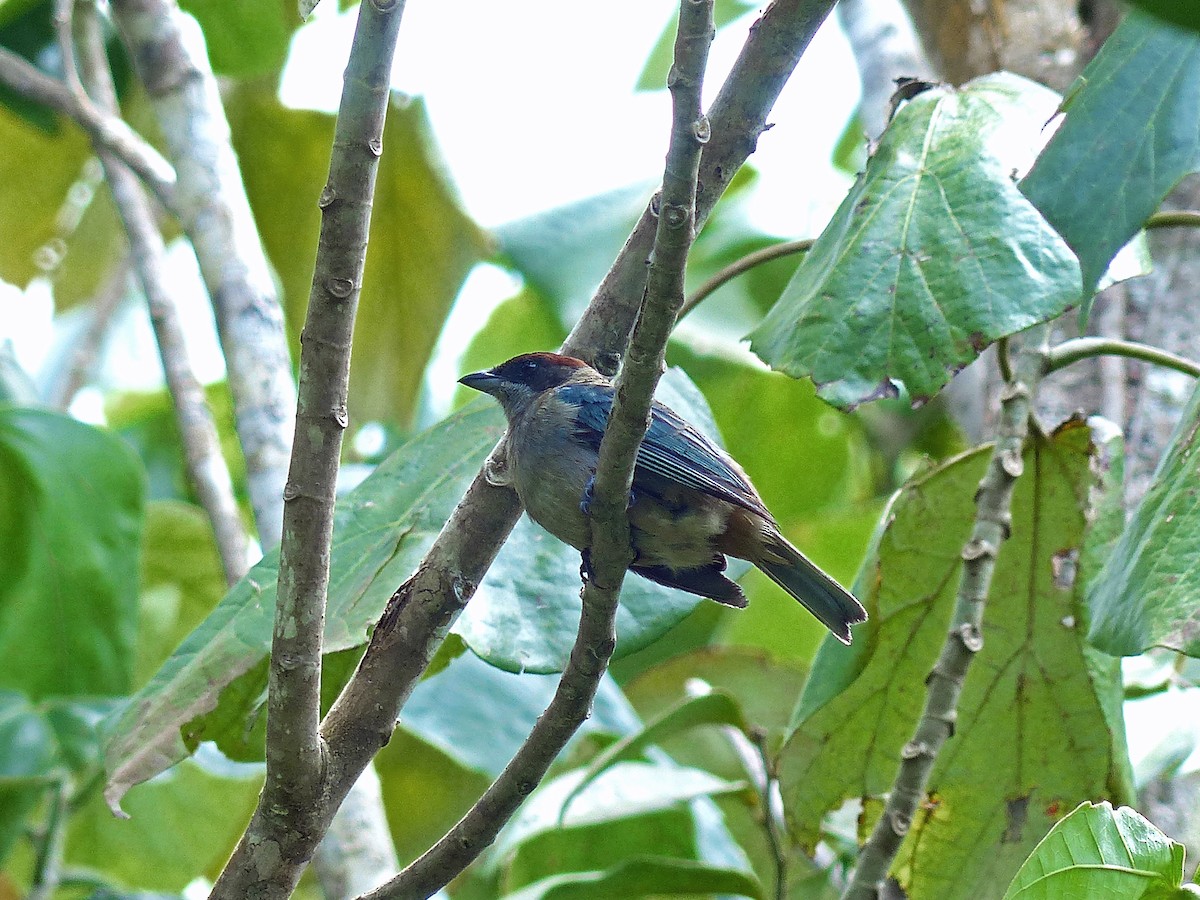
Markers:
(168, 53)
(993, 521)
(610, 549)
(294, 800)
(205, 463)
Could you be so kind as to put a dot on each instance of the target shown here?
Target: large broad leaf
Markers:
(1039, 725)
(421, 244)
(566, 251)
(1149, 592)
(1183, 14)
(182, 826)
(246, 40)
(649, 876)
(933, 255)
(1098, 851)
(70, 520)
(1132, 131)
(522, 618)
(37, 169)
(631, 793)
(382, 529)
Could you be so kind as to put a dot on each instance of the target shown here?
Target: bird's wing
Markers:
(672, 449)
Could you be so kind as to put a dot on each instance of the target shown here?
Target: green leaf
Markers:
(1098, 851)
(1146, 595)
(765, 690)
(181, 826)
(933, 255)
(42, 745)
(382, 529)
(642, 877)
(625, 791)
(479, 715)
(1132, 131)
(422, 245)
(1039, 725)
(245, 40)
(525, 615)
(524, 323)
(658, 64)
(181, 580)
(70, 519)
(565, 252)
(715, 708)
(29, 205)
(1184, 13)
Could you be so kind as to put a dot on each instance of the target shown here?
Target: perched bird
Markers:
(690, 503)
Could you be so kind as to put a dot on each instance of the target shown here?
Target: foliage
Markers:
(726, 753)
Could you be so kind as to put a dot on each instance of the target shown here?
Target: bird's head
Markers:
(518, 382)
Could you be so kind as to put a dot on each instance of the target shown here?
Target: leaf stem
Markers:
(610, 548)
(1083, 348)
(1178, 218)
(993, 519)
(745, 264)
(47, 867)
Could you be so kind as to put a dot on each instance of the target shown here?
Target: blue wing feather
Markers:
(673, 449)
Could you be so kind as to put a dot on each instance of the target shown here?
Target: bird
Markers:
(690, 506)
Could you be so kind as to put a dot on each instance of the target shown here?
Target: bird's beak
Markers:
(481, 381)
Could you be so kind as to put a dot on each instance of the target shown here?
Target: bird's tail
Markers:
(832, 604)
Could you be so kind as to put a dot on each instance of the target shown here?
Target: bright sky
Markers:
(533, 105)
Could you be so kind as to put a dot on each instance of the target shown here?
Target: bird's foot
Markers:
(589, 491)
(585, 565)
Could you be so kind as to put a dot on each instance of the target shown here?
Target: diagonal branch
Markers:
(610, 553)
(292, 800)
(107, 131)
(167, 48)
(206, 466)
(993, 519)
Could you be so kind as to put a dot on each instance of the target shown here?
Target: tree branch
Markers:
(82, 358)
(610, 549)
(745, 264)
(421, 611)
(993, 520)
(293, 801)
(167, 49)
(1082, 348)
(109, 132)
(1175, 218)
(206, 465)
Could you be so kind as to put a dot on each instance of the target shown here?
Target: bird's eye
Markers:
(531, 365)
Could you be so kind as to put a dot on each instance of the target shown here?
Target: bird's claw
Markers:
(589, 491)
(585, 565)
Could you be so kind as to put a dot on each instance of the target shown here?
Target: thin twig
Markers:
(421, 611)
(610, 553)
(110, 132)
(47, 867)
(294, 802)
(206, 465)
(85, 352)
(992, 522)
(1179, 218)
(1086, 347)
(745, 264)
(167, 49)
(772, 812)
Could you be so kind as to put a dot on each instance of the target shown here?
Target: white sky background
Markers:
(533, 105)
